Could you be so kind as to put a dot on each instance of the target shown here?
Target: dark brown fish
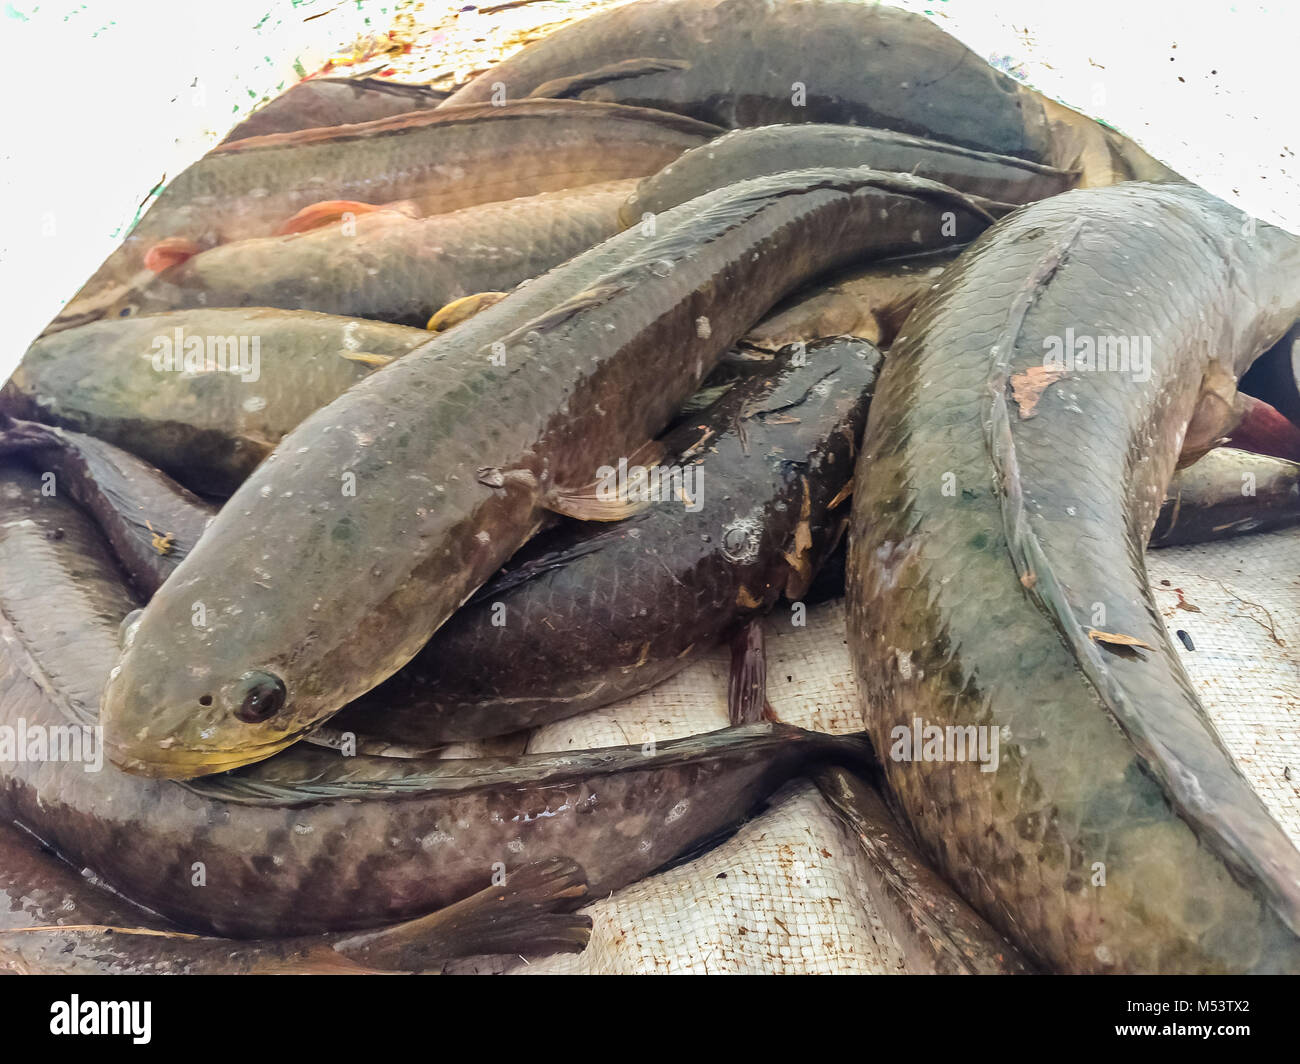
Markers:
(938, 933)
(741, 515)
(149, 520)
(1228, 493)
(56, 922)
(869, 302)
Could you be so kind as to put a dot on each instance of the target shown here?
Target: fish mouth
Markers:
(181, 763)
(64, 322)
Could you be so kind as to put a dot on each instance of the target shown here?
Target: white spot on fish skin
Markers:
(434, 839)
(1104, 955)
(644, 846)
(630, 826)
(678, 811)
(515, 845)
(702, 327)
(116, 670)
(904, 659)
(254, 403)
(741, 539)
(265, 491)
(483, 537)
(303, 829)
(1071, 510)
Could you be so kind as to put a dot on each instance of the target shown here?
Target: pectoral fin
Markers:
(530, 913)
(611, 497)
(327, 212)
(1219, 410)
(463, 309)
(747, 682)
(169, 252)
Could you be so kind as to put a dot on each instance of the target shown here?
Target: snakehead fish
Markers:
(55, 922)
(795, 61)
(337, 560)
(387, 266)
(746, 153)
(745, 518)
(433, 161)
(149, 520)
(242, 855)
(203, 394)
(1008, 482)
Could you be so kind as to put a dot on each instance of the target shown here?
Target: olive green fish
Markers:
(1026, 425)
(203, 394)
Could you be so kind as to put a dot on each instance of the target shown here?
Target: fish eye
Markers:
(127, 311)
(264, 697)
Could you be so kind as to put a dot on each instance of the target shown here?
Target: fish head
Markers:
(163, 719)
(207, 680)
(149, 297)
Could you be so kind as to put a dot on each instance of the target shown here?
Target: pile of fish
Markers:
(400, 424)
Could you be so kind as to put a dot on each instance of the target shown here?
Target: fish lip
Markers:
(64, 322)
(185, 763)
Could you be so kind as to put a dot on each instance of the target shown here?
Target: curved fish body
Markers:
(436, 160)
(56, 922)
(319, 102)
(794, 61)
(375, 519)
(313, 841)
(387, 266)
(1002, 502)
(149, 520)
(867, 302)
(203, 394)
(1228, 493)
(744, 518)
(747, 153)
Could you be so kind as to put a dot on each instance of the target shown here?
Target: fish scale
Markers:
(1108, 761)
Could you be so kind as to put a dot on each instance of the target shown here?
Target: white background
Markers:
(104, 98)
